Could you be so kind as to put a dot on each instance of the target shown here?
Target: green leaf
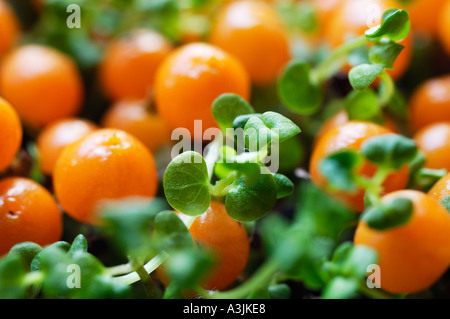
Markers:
(187, 268)
(341, 288)
(424, 178)
(363, 75)
(128, 224)
(12, 270)
(79, 244)
(352, 260)
(446, 202)
(385, 53)
(249, 200)
(26, 250)
(36, 262)
(391, 151)
(273, 228)
(186, 184)
(296, 89)
(291, 153)
(322, 214)
(396, 26)
(284, 127)
(284, 185)
(279, 291)
(61, 270)
(362, 105)
(299, 15)
(340, 167)
(259, 293)
(229, 106)
(241, 120)
(170, 232)
(257, 134)
(358, 56)
(390, 214)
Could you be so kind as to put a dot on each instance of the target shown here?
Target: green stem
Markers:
(222, 187)
(336, 60)
(149, 267)
(119, 269)
(146, 282)
(211, 157)
(374, 185)
(261, 277)
(375, 293)
(387, 90)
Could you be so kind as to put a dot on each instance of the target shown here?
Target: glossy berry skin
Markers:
(353, 17)
(10, 134)
(441, 189)
(434, 141)
(189, 81)
(413, 256)
(444, 27)
(28, 212)
(56, 136)
(430, 103)
(340, 118)
(133, 117)
(129, 66)
(104, 165)
(253, 32)
(351, 136)
(226, 239)
(9, 27)
(43, 84)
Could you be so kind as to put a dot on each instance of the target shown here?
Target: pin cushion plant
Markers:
(236, 217)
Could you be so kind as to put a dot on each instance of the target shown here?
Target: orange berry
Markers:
(340, 118)
(423, 15)
(353, 17)
(28, 212)
(412, 257)
(104, 165)
(56, 136)
(253, 32)
(43, 84)
(189, 81)
(351, 136)
(226, 239)
(441, 189)
(430, 103)
(130, 63)
(9, 27)
(434, 141)
(10, 134)
(133, 117)
(324, 10)
(444, 27)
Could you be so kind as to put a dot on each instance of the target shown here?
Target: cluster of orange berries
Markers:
(155, 87)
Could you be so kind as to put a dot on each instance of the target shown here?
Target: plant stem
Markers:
(336, 60)
(212, 156)
(221, 188)
(261, 277)
(387, 90)
(146, 282)
(375, 293)
(119, 269)
(149, 267)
